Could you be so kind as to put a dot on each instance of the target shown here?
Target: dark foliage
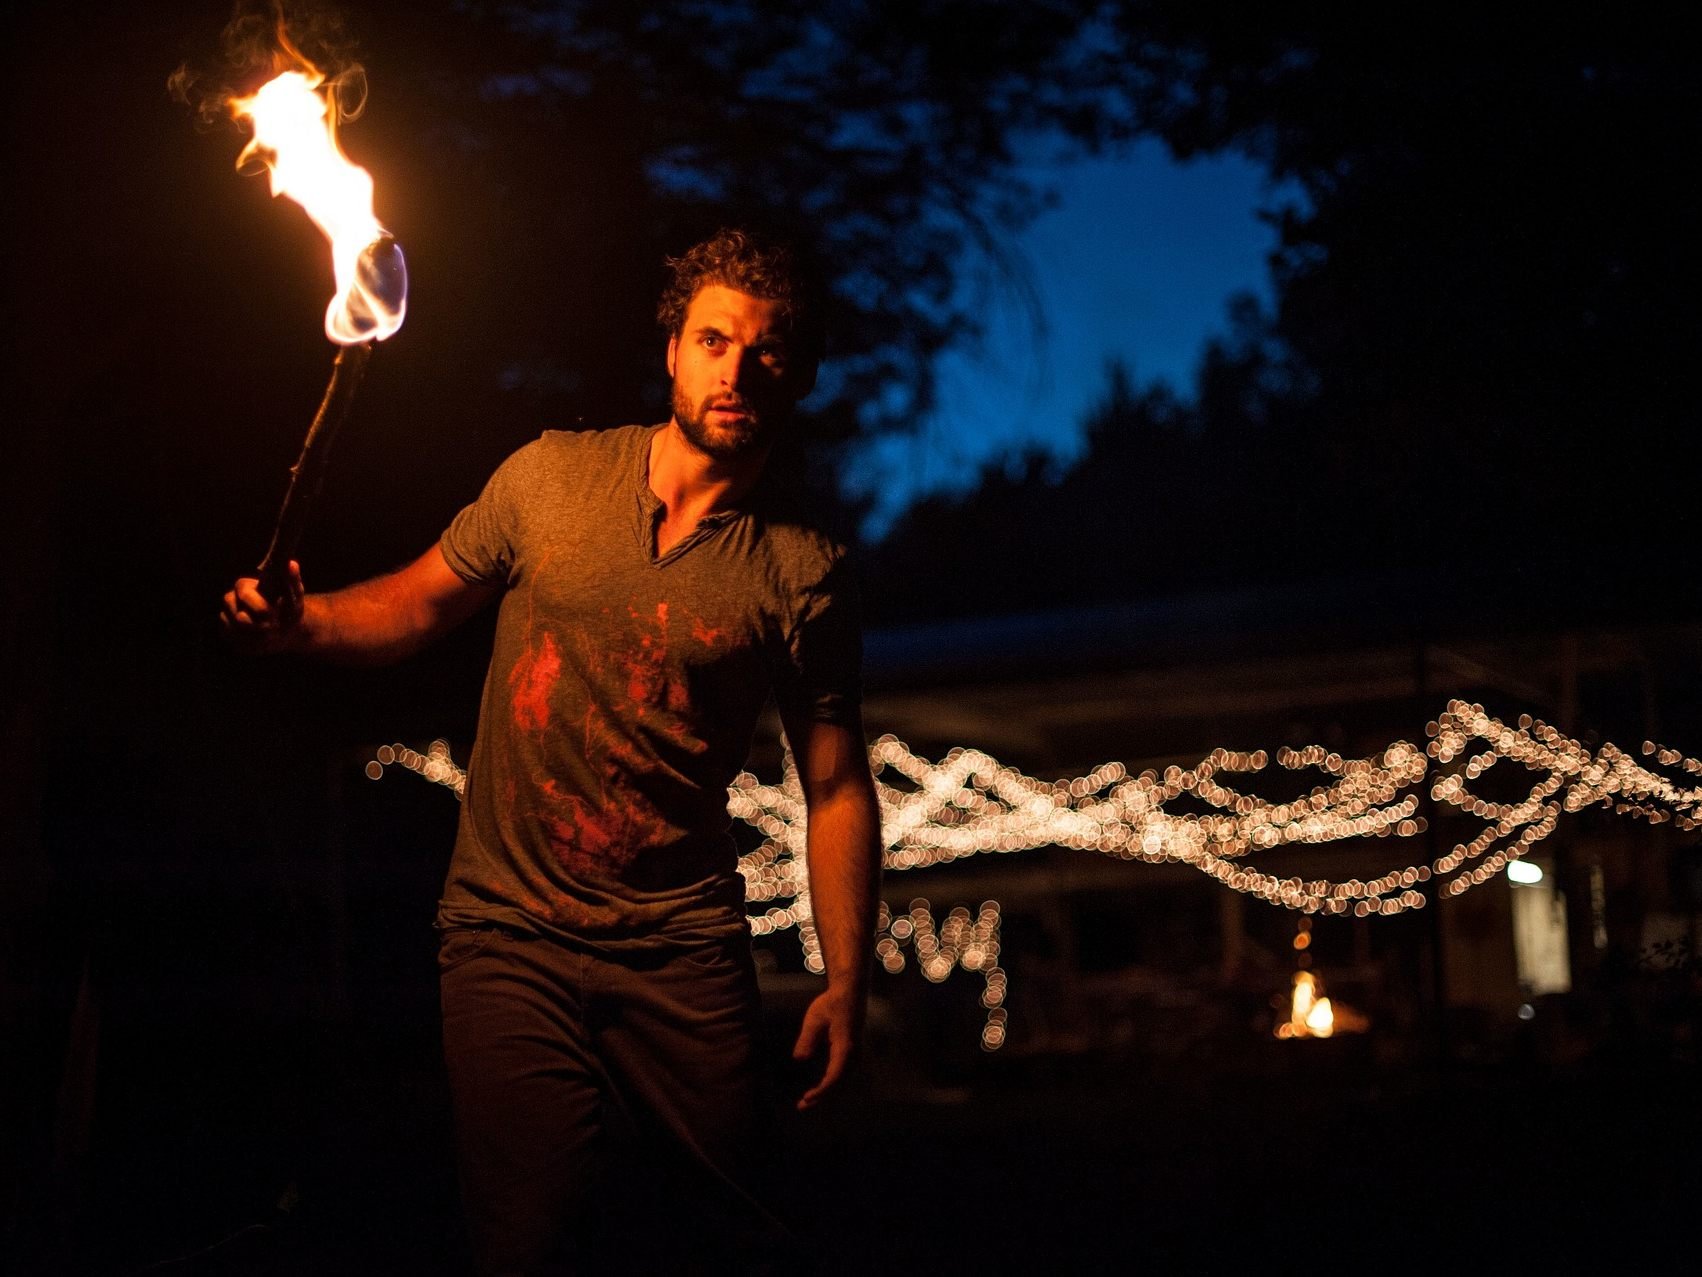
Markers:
(1483, 302)
(546, 156)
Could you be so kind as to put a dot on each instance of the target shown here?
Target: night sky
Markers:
(1133, 262)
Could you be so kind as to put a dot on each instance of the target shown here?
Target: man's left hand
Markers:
(837, 1017)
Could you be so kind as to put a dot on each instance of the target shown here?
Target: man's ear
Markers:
(673, 349)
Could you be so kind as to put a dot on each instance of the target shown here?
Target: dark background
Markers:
(1473, 396)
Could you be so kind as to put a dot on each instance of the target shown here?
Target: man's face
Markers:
(736, 377)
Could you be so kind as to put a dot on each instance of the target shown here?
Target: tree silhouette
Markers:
(1481, 303)
(549, 154)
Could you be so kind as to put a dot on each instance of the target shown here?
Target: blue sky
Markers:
(1135, 261)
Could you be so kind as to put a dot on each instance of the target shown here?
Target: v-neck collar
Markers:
(650, 510)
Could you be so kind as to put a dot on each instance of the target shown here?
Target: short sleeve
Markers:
(482, 543)
(820, 674)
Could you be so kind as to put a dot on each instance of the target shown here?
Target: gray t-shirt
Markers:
(624, 689)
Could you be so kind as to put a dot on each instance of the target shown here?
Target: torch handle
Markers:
(308, 473)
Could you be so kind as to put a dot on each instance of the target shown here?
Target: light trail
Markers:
(969, 804)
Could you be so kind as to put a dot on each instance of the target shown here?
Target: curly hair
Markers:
(771, 269)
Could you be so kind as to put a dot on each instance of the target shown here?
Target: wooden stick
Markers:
(308, 473)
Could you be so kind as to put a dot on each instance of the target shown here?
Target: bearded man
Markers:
(595, 962)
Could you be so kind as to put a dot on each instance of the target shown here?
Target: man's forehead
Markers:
(729, 310)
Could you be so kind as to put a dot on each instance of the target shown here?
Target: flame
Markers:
(1320, 1022)
(1310, 1015)
(295, 137)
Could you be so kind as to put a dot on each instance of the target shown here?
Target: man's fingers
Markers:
(809, 1037)
(235, 615)
(838, 1057)
(809, 1042)
(294, 592)
(259, 624)
(825, 1024)
(250, 600)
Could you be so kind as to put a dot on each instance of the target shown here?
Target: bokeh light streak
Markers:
(970, 804)
(435, 765)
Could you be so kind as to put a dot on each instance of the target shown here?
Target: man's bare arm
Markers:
(845, 871)
(373, 623)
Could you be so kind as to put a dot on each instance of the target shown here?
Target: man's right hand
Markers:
(372, 623)
(260, 626)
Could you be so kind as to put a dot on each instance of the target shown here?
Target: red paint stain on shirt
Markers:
(646, 664)
(601, 830)
(534, 675)
(589, 837)
(530, 682)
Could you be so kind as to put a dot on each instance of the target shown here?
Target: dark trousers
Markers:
(609, 1112)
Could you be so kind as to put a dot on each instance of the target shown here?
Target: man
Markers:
(595, 958)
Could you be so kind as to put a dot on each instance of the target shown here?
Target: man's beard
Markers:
(727, 442)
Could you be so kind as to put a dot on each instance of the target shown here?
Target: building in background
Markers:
(1133, 961)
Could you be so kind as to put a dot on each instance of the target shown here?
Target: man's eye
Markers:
(712, 341)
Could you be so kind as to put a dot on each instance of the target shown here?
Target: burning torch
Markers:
(294, 125)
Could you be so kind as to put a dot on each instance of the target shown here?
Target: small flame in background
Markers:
(294, 121)
(970, 803)
(1310, 1014)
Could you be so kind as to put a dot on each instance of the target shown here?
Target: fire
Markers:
(1320, 1019)
(1311, 1014)
(294, 127)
